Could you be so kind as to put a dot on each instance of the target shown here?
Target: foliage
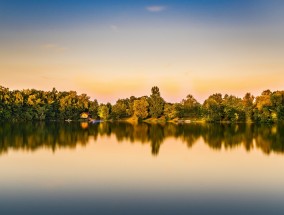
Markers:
(38, 105)
(170, 111)
(191, 107)
(156, 103)
(119, 110)
(233, 109)
(277, 105)
(34, 104)
(248, 106)
(103, 111)
(140, 108)
(213, 107)
(263, 107)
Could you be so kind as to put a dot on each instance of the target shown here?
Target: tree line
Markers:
(31, 104)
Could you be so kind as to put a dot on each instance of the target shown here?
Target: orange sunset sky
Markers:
(115, 49)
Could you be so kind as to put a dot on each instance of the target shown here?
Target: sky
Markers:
(115, 49)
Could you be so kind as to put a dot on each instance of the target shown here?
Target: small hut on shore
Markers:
(84, 115)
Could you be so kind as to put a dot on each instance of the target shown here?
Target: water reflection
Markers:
(53, 135)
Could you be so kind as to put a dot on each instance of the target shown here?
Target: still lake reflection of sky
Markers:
(107, 176)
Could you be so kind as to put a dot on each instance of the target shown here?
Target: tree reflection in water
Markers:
(55, 135)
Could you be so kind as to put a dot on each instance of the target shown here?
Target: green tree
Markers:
(103, 112)
(191, 107)
(170, 111)
(263, 107)
(156, 103)
(248, 106)
(233, 109)
(93, 108)
(129, 110)
(119, 110)
(277, 105)
(140, 108)
(213, 107)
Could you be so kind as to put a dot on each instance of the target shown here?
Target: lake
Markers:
(122, 168)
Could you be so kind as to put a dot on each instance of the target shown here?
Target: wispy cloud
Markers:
(114, 28)
(156, 8)
(53, 47)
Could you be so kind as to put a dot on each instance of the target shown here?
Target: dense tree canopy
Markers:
(140, 108)
(191, 107)
(103, 112)
(31, 104)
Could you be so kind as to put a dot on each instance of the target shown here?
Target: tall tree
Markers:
(93, 108)
(156, 103)
(248, 106)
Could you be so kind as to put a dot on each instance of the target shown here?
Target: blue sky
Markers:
(51, 13)
(125, 47)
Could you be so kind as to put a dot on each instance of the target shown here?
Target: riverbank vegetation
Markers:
(31, 104)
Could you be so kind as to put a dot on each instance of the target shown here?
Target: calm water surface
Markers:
(119, 168)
